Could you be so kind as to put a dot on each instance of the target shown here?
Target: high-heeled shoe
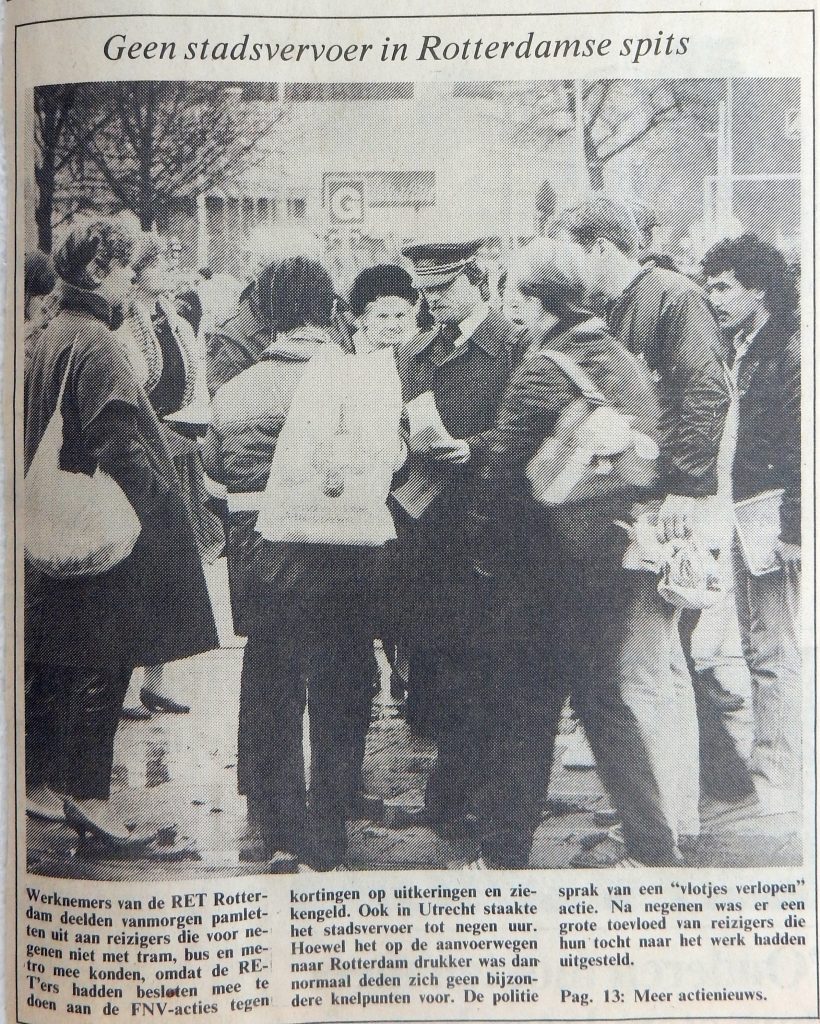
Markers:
(117, 835)
(153, 702)
(285, 863)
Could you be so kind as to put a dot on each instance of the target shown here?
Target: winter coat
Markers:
(666, 318)
(237, 343)
(247, 416)
(154, 606)
(514, 527)
(767, 454)
(468, 383)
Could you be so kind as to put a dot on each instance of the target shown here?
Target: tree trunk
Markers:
(596, 175)
(146, 161)
(45, 175)
(43, 214)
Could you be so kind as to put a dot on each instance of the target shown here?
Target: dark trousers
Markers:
(319, 654)
(724, 775)
(537, 641)
(437, 565)
(71, 720)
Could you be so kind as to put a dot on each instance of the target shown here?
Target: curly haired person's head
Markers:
(742, 271)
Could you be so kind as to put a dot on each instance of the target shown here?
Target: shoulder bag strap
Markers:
(579, 377)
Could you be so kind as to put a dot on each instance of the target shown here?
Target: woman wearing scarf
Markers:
(85, 635)
(163, 349)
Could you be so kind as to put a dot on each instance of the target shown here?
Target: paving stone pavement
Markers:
(179, 772)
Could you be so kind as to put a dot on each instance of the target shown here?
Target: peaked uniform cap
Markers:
(439, 263)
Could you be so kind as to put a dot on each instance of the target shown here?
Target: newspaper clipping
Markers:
(408, 471)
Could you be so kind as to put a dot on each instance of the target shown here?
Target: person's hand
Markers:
(787, 554)
(455, 456)
(676, 518)
(422, 440)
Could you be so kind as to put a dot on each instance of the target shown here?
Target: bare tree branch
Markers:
(131, 132)
(599, 105)
(117, 187)
(153, 144)
(81, 142)
(652, 123)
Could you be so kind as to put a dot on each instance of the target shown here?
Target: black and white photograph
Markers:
(412, 476)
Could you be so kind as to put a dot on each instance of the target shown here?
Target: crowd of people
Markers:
(597, 417)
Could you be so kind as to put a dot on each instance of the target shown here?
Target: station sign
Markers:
(344, 200)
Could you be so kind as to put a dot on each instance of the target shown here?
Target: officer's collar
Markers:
(470, 324)
(474, 328)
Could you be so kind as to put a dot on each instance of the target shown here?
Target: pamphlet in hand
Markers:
(758, 529)
(427, 432)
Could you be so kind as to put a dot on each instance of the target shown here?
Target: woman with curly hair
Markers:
(85, 635)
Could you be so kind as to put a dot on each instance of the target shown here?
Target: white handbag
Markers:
(75, 525)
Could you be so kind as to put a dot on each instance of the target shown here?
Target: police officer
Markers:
(465, 360)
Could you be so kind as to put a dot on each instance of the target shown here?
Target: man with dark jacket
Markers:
(665, 318)
(237, 342)
(756, 303)
(465, 361)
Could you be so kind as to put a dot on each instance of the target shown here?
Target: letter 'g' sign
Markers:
(345, 200)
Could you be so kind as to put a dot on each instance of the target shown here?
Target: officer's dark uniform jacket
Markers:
(468, 382)
(767, 455)
(666, 318)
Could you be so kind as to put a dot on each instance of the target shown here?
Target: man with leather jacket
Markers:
(755, 299)
(666, 319)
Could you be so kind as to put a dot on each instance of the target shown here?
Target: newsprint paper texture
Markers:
(509, 716)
